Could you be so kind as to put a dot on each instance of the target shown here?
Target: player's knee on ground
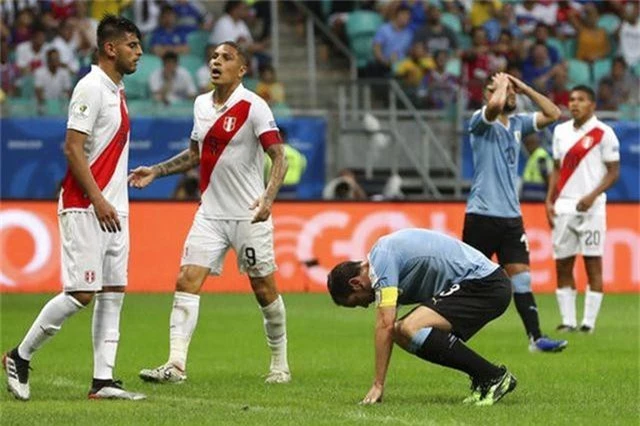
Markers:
(84, 297)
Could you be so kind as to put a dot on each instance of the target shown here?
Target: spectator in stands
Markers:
(592, 42)
(146, 14)
(541, 35)
(391, 42)
(482, 11)
(52, 81)
(65, 45)
(100, 8)
(537, 65)
(187, 188)
(626, 89)
(192, 16)
(630, 34)
(505, 51)
(411, 70)
(563, 27)
(344, 187)
(439, 87)
(417, 9)
(22, 30)
(30, 55)
(477, 60)
(171, 83)
(84, 30)
(9, 72)
(530, 13)
(269, 88)
(168, 37)
(203, 75)
(232, 26)
(606, 100)
(504, 20)
(559, 93)
(435, 35)
(9, 10)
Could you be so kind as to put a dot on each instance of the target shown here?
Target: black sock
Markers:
(100, 383)
(447, 350)
(526, 306)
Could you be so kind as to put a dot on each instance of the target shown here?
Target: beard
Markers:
(509, 108)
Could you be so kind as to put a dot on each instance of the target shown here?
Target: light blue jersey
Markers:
(412, 265)
(496, 149)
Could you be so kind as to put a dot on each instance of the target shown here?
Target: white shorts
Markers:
(210, 239)
(92, 258)
(574, 234)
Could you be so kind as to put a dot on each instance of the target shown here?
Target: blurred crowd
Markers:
(435, 47)
(47, 45)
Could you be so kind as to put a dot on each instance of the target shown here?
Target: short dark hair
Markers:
(167, 8)
(586, 89)
(241, 52)
(620, 59)
(170, 56)
(231, 5)
(112, 27)
(338, 280)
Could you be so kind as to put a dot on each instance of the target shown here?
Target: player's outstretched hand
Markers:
(374, 395)
(551, 213)
(141, 176)
(107, 216)
(262, 208)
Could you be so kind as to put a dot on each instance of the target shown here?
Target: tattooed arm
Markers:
(185, 161)
(279, 169)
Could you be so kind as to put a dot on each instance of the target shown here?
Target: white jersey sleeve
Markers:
(555, 144)
(610, 146)
(197, 133)
(84, 107)
(261, 117)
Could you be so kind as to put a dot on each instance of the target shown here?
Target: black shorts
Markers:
(502, 236)
(471, 304)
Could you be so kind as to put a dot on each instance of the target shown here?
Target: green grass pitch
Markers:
(595, 381)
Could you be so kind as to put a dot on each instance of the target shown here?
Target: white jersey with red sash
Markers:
(582, 153)
(98, 109)
(232, 140)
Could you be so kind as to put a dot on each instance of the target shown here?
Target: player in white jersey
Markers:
(92, 214)
(232, 127)
(587, 163)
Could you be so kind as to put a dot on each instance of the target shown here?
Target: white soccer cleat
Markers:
(166, 373)
(278, 376)
(17, 370)
(113, 390)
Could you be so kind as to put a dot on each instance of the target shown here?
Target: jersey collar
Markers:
(230, 99)
(107, 80)
(586, 124)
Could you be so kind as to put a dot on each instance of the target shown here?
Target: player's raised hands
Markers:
(374, 395)
(107, 216)
(262, 210)
(141, 176)
(518, 84)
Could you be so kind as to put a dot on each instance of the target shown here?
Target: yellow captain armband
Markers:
(387, 297)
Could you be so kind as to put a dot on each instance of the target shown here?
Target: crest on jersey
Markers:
(587, 141)
(229, 124)
(89, 276)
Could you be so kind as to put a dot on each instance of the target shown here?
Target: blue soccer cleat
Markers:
(545, 344)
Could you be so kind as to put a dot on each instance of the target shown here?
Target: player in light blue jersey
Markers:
(493, 221)
(458, 291)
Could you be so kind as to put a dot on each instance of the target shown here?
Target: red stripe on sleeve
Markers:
(269, 138)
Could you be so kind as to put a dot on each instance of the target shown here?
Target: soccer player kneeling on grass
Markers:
(457, 289)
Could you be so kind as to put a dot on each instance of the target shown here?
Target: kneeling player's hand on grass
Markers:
(374, 395)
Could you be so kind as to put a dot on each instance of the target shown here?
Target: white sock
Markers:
(275, 327)
(184, 318)
(105, 333)
(48, 323)
(566, 297)
(592, 302)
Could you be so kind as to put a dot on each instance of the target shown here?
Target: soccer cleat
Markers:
(166, 373)
(278, 376)
(494, 390)
(17, 370)
(112, 389)
(476, 393)
(586, 329)
(563, 328)
(544, 344)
